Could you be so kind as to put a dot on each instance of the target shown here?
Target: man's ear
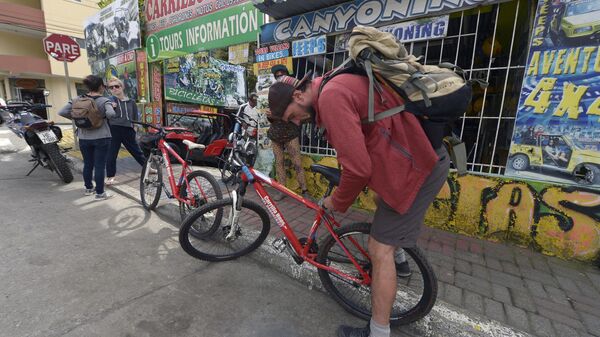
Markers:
(298, 96)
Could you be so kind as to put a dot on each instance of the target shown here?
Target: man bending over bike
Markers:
(392, 156)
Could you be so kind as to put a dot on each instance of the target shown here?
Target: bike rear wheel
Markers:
(415, 296)
(59, 162)
(204, 234)
(204, 188)
(151, 183)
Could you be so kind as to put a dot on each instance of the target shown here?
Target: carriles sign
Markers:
(359, 12)
(161, 14)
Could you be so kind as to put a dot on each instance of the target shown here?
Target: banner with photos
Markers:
(199, 78)
(113, 30)
(123, 67)
(556, 136)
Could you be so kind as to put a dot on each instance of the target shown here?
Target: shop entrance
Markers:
(35, 96)
(489, 43)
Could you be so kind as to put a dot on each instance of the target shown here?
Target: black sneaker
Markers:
(403, 269)
(348, 331)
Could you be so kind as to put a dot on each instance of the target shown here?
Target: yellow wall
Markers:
(28, 3)
(554, 220)
(67, 17)
(17, 44)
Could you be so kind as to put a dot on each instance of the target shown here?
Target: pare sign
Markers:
(62, 47)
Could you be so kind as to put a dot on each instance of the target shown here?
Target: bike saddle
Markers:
(192, 145)
(332, 174)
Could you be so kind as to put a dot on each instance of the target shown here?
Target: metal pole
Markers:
(75, 140)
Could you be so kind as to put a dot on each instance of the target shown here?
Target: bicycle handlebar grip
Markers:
(247, 173)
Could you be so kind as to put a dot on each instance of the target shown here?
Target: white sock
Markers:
(378, 330)
(399, 256)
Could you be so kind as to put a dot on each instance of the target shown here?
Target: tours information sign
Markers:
(227, 27)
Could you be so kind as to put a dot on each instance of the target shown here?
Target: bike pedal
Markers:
(279, 244)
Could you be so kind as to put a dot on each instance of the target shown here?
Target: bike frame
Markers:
(165, 149)
(258, 179)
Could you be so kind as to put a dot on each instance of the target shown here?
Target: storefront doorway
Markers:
(35, 96)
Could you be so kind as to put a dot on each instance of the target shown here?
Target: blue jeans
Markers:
(126, 136)
(94, 152)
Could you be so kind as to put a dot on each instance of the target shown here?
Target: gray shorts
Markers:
(402, 230)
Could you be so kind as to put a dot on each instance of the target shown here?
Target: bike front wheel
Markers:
(203, 188)
(416, 282)
(213, 233)
(151, 183)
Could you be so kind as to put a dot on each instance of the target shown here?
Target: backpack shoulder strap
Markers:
(384, 114)
(341, 69)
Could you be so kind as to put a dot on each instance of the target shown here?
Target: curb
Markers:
(444, 320)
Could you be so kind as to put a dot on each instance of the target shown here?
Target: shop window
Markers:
(489, 43)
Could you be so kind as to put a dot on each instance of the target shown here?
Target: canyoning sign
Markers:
(62, 47)
(234, 25)
(346, 16)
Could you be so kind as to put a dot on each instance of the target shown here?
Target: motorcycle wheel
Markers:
(59, 162)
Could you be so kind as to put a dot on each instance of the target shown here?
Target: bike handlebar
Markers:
(149, 126)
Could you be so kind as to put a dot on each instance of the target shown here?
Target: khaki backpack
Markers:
(85, 113)
(437, 94)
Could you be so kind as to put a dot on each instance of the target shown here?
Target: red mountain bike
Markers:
(192, 188)
(229, 228)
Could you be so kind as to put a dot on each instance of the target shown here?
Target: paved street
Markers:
(132, 272)
(72, 266)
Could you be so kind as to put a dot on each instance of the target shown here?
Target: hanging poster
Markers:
(155, 83)
(142, 71)
(239, 53)
(226, 27)
(199, 78)
(123, 67)
(311, 46)
(113, 30)
(265, 159)
(265, 67)
(557, 130)
(272, 52)
(152, 113)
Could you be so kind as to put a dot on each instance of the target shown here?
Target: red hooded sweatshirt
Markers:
(392, 156)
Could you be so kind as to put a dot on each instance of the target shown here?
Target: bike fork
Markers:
(234, 216)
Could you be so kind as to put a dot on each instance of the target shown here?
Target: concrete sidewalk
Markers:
(485, 288)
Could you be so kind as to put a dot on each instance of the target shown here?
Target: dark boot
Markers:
(348, 331)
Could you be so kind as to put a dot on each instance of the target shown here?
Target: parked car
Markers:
(575, 20)
(557, 153)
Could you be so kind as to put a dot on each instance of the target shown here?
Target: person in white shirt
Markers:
(2, 103)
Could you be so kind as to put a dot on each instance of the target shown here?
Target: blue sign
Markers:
(418, 30)
(359, 12)
(311, 46)
(273, 56)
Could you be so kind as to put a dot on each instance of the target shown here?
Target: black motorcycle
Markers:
(41, 135)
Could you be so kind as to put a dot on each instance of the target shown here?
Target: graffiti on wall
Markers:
(555, 220)
(552, 219)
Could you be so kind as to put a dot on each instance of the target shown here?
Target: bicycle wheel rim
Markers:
(204, 232)
(203, 188)
(415, 294)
